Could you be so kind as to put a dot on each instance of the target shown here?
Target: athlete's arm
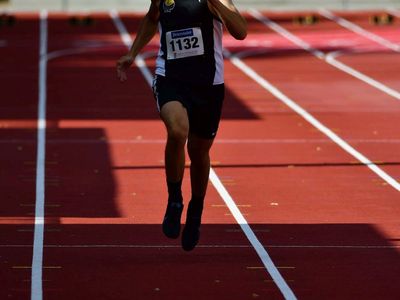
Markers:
(147, 29)
(230, 16)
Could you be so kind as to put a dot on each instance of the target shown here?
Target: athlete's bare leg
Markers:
(198, 149)
(176, 122)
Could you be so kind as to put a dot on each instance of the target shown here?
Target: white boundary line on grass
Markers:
(328, 58)
(359, 30)
(37, 257)
(261, 251)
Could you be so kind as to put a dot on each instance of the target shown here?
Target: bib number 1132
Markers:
(184, 43)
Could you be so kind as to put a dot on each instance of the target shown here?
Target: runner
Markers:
(189, 92)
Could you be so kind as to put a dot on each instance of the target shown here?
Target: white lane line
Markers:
(331, 59)
(394, 12)
(328, 58)
(67, 52)
(138, 246)
(285, 33)
(262, 253)
(218, 141)
(127, 40)
(359, 30)
(313, 121)
(37, 259)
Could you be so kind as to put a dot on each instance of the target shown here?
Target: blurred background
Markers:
(141, 5)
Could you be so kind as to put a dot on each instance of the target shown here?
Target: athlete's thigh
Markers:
(205, 114)
(170, 103)
(174, 116)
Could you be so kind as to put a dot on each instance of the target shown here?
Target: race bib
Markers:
(184, 43)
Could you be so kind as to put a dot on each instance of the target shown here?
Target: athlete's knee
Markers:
(199, 159)
(178, 133)
(199, 152)
(176, 122)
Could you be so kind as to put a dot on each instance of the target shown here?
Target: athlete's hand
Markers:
(123, 64)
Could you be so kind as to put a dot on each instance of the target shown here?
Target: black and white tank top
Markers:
(190, 42)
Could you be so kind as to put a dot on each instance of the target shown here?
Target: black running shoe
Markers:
(191, 231)
(191, 235)
(172, 220)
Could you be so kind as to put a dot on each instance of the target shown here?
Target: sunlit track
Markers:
(331, 59)
(304, 196)
(359, 30)
(327, 57)
(261, 251)
(328, 132)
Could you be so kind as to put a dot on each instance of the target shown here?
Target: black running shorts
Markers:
(203, 103)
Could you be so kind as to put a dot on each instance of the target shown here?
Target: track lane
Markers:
(353, 49)
(68, 221)
(104, 193)
(367, 103)
(144, 69)
(18, 114)
(292, 204)
(317, 156)
(332, 179)
(363, 24)
(316, 205)
(385, 68)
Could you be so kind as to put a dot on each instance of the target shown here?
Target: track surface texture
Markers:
(304, 198)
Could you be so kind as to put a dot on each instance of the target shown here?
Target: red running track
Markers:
(329, 223)
(18, 77)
